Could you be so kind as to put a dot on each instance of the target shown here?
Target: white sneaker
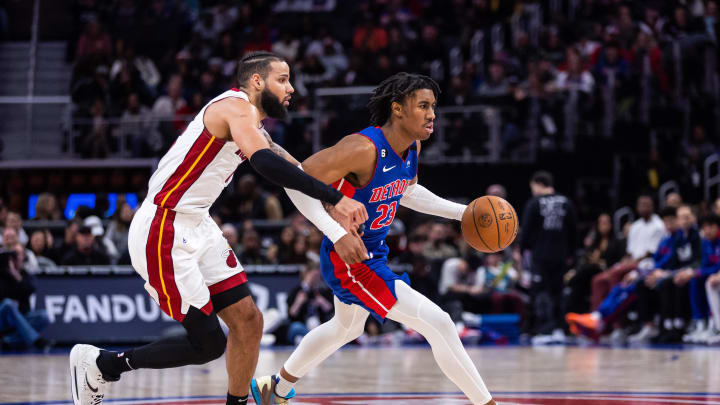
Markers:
(618, 336)
(647, 333)
(86, 380)
(696, 332)
(540, 340)
(714, 338)
(558, 336)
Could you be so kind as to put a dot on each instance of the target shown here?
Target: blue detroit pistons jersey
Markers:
(371, 284)
(381, 196)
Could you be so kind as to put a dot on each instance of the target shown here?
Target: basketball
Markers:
(489, 224)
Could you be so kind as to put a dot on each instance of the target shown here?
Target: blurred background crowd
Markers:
(624, 94)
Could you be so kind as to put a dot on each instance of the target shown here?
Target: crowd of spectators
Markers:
(644, 281)
(556, 71)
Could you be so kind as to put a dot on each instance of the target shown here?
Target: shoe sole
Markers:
(74, 353)
(254, 390)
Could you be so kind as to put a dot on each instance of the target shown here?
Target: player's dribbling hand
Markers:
(353, 210)
(351, 249)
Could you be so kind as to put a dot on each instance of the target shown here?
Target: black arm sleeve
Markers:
(284, 174)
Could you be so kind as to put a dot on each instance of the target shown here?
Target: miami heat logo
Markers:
(485, 220)
(230, 258)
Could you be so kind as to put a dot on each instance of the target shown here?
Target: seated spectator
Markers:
(14, 220)
(496, 85)
(104, 244)
(94, 42)
(47, 208)
(437, 246)
(711, 265)
(460, 291)
(369, 37)
(26, 259)
(249, 201)
(623, 295)
(499, 278)
(309, 304)
(576, 77)
(57, 251)
(678, 286)
(287, 47)
(165, 107)
(117, 232)
(700, 285)
(673, 200)
(602, 238)
(497, 190)
(137, 129)
(643, 238)
(251, 252)
(285, 245)
(95, 139)
(86, 252)
(602, 249)
(231, 234)
(19, 326)
(40, 243)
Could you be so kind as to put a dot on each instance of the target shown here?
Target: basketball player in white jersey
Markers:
(188, 267)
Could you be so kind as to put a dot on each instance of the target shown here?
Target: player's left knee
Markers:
(243, 319)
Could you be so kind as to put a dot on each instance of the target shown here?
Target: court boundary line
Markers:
(390, 394)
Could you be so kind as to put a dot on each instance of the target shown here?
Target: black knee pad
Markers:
(205, 335)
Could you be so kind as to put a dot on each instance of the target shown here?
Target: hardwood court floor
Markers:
(409, 375)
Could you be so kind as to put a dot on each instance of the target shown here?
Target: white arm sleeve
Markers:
(420, 199)
(314, 211)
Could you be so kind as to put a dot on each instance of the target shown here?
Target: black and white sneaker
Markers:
(86, 380)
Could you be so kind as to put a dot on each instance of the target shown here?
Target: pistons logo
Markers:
(230, 258)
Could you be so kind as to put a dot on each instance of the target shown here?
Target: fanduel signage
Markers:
(117, 308)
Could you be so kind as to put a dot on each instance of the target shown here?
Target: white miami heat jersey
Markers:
(196, 169)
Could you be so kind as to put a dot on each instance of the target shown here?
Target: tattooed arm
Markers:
(279, 149)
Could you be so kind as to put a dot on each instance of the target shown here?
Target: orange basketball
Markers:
(489, 224)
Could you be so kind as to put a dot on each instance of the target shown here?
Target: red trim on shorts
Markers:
(208, 308)
(364, 284)
(161, 273)
(228, 283)
(201, 153)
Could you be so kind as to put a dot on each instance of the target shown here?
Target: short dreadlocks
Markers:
(396, 88)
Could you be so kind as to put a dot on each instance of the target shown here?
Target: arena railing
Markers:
(712, 177)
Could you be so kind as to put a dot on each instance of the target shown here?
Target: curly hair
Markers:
(396, 88)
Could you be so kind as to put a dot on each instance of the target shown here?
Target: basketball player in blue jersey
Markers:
(377, 167)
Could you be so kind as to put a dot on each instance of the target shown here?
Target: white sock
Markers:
(282, 386)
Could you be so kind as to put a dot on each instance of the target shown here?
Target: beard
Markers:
(271, 105)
